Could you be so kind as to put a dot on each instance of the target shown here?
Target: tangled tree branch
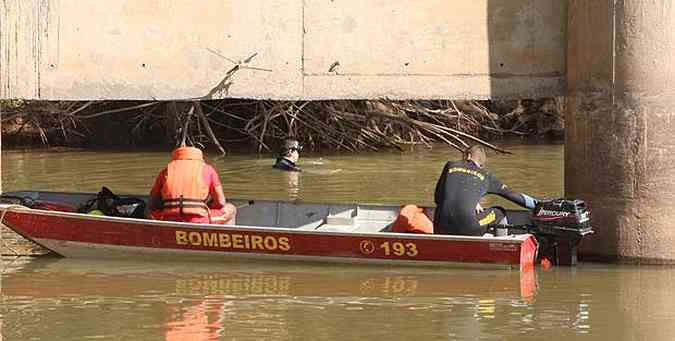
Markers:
(339, 125)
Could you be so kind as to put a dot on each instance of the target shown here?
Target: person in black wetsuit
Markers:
(289, 157)
(458, 191)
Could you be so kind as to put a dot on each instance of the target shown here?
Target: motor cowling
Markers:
(559, 226)
(564, 218)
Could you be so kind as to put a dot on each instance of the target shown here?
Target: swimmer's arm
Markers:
(500, 189)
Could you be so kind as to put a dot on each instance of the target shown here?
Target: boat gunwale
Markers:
(233, 199)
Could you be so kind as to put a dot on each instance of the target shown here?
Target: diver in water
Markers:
(289, 156)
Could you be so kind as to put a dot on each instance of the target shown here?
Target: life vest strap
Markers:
(184, 200)
(202, 205)
(181, 203)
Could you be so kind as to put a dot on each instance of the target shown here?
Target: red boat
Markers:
(267, 230)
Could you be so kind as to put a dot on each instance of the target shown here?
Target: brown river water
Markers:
(66, 299)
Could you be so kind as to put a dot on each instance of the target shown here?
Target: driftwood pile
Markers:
(336, 125)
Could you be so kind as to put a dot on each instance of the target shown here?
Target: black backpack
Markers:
(113, 205)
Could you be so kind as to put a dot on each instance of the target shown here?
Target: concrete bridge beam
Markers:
(304, 49)
(620, 151)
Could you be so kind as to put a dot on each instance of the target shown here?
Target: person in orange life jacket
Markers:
(183, 189)
(289, 157)
(459, 189)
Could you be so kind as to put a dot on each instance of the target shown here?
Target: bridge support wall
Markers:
(302, 49)
(620, 150)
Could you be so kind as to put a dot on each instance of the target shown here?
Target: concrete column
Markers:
(0, 148)
(620, 150)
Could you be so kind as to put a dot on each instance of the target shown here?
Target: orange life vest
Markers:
(412, 219)
(184, 191)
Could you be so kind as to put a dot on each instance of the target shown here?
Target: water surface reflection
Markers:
(90, 299)
(48, 299)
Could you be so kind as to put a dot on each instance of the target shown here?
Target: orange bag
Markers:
(412, 219)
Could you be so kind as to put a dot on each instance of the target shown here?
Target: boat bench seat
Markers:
(347, 218)
(372, 226)
(338, 224)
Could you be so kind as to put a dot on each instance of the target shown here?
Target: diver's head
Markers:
(476, 153)
(291, 150)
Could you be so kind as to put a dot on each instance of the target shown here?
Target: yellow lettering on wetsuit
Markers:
(466, 171)
(232, 241)
(491, 217)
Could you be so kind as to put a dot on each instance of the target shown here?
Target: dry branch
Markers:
(340, 125)
(196, 105)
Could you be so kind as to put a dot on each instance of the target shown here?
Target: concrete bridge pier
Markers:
(1, 104)
(620, 145)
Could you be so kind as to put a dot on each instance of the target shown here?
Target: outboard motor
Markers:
(559, 226)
